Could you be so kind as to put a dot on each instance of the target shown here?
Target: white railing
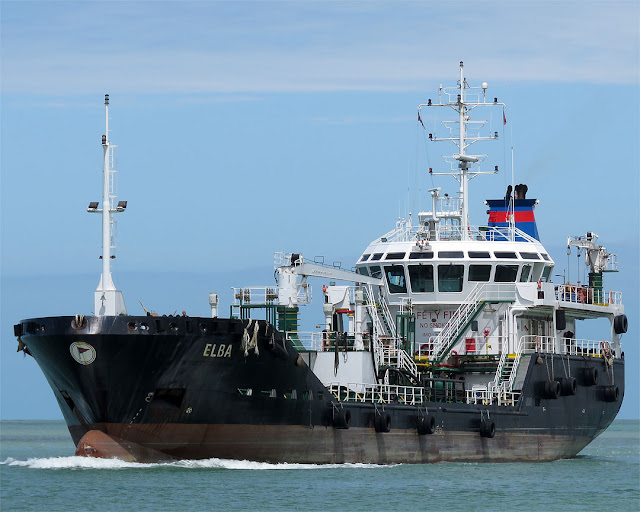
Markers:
(384, 306)
(507, 386)
(398, 357)
(313, 341)
(480, 395)
(497, 377)
(255, 295)
(406, 232)
(587, 295)
(571, 346)
(377, 393)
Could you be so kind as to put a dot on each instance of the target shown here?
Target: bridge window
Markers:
(395, 278)
(395, 256)
(526, 270)
(421, 277)
(376, 256)
(479, 272)
(421, 256)
(375, 271)
(450, 278)
(479, 254)
(509, 255)
(506, 273)
(546, 273)
(365, 257)
(546, 257)
(450, 254)
(362, 270)
(529, 255)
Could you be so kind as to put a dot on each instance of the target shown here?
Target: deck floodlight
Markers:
(93, 206)
(122, 206)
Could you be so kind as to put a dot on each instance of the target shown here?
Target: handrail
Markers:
(569, 346)
(480, 293)
(577, 294)
(402, 360)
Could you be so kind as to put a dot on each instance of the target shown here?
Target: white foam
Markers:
(95, 463)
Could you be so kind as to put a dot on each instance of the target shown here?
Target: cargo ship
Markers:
(445, 342)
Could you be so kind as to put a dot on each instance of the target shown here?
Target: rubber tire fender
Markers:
(590, 376)
(426, 425)
(620, 324)
(487, 428)
(341, 418)
(551, 389)
(382, 422)
(568, 386)
(611, 393)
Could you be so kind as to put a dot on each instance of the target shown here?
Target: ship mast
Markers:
(463, 99)
(107, 300)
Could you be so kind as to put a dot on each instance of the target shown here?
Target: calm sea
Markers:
(37, 473)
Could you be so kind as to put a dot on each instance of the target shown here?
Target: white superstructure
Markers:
(444, 300)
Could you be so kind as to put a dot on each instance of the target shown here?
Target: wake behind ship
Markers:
(448, 342)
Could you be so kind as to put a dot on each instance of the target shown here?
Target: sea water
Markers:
(37, 472)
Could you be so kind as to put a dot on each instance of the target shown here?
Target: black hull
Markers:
(179, 388)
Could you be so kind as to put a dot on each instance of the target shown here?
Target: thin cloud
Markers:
(219, 47)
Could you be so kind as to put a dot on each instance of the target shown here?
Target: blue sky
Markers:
(246, 128)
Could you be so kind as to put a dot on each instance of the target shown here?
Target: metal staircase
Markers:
(389, 355)
(507, 370)
(444, 342)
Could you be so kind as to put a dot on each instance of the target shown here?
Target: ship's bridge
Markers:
(447, 270)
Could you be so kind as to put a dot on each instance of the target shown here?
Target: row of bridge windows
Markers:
(449, 277)
(429, 255)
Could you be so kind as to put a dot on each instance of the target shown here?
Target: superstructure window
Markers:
(376, 256)
(546, 257)
(450, 278)
(362, 270)
(526, 270)
(529, 255)
(365, 257)
(375, 271)
(421, 256)
(450, 254)
(546, 273)
(506, 273)
(479, 272)
(395, 256)
(395, 278)
(421, 278)
(479, 254)
(507, 255)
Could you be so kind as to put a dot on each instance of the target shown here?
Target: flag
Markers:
(420, 119)
(504, 118)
